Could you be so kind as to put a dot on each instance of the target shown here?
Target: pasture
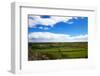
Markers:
(57, 50)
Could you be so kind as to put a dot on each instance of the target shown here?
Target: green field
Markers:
(61, 50)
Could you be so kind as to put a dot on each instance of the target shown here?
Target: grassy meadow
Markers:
(57, 50)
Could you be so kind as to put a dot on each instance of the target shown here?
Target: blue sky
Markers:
(67, 27)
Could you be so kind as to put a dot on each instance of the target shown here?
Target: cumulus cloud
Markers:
(52, 37)
(40, 27)
(44, 28)
(35, 20)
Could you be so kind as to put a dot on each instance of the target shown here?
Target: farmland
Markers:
(57, 50)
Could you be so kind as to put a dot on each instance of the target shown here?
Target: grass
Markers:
(52, 51)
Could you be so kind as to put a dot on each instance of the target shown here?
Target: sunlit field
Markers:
(61, 50)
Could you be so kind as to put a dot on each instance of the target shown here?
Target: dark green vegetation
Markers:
(52, 51)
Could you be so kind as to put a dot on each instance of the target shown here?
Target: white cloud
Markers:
(46, 28)
(47, 21)
(40, 27)
(80, 38)
(52, 37)
(70, 22)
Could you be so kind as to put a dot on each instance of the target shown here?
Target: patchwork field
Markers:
(61, 50)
